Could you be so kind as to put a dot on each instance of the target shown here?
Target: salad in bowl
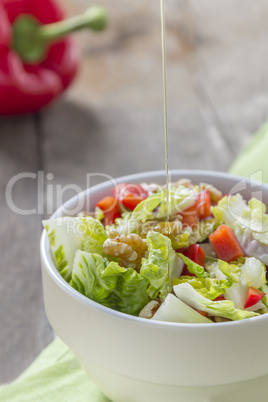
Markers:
(186, 254)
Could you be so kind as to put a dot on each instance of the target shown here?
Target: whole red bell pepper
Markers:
(37, 60)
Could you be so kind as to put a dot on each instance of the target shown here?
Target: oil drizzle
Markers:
(163, 36)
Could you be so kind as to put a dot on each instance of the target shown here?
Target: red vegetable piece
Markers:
(130, 194)
(204, 313)
(110, 207)
(253, 297)
(189, 217)
(225, 244)
(219, 298)
(203, 204)
(196, 254)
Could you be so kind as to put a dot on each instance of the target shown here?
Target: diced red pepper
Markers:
(130, 195)
(111, 210)
(225, 244)
(219, 298)
(253, 297)
(203, 204)
(189, 217)
(196, 254)
(204, 313)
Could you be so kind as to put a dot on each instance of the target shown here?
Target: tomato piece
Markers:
(196, 254)
(111, 210)
(225, 244)
(219, 298)
(107, 203)
(189, 217)
(130, 195)
(204, 313)
(253, 297)
(203, 204)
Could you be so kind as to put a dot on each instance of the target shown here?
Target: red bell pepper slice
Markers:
(203, 313)
(203, 204)
(225, 244)
(111, 210)
(130, 195)
(196, 254)
(189, 217)
(219, 298)
(25, 86)
(253, 297)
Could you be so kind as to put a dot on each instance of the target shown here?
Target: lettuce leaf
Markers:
(68, 234)
(180, 198)
(155, 206)
(207, 287)
(121, 289)
(144, 210)
(203, 229)
(193, 267)
(249, 223)
(161, 259)
(174, 310)
(224, 308)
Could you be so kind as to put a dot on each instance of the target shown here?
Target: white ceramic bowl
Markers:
(136, 360)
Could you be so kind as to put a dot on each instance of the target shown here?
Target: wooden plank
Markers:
(229, 65)
(24, 329)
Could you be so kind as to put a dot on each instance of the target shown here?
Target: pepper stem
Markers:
(31, 40)
(95, 18)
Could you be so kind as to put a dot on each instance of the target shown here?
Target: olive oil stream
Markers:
(163, 37)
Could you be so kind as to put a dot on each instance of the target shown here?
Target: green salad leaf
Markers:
(180, 198)
(193, 267)
(207, 287)
(155, 268)
(144, 210)
(68, 234)
(224, 308)
(174, 310)
(121, 289)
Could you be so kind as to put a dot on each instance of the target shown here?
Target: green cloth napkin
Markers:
(253, 160)
(56, 376)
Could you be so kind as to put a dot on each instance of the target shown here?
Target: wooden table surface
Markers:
(111, 122)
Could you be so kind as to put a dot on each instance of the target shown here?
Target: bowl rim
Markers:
(60, 281)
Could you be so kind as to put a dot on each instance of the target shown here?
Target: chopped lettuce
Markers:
(144, 210)
(224, 308)
(254, 273)
(248, 272)
(93, 234)
(249, 223)
(180, 198)
(162, 259)
(193, 267)
(155, 206)
(119, 288)
(231, 271)
(203, 229)
(174, 310)
(69, 234)
(64, 241)
(180, 240)
(207, 287)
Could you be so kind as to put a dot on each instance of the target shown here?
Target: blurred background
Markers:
(110, 121)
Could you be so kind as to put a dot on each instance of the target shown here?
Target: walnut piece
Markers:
(129, 248)
(150, 309)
